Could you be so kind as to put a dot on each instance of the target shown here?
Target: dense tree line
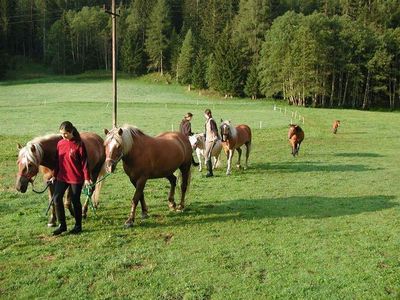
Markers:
(322, 53)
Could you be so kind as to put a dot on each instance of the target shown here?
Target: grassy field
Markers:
(323, 225)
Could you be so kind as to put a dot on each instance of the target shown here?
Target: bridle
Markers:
(225, 132)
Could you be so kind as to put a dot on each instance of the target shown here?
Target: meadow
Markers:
(323, 225)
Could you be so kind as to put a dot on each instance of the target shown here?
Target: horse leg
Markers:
(229, 159)
(248, 147)
(135, 200)
(171, 200)
(185, 171)
(68, 201)
(198, 153)
(240, 155)
(298, 148)
(142, 202)
(53, 219)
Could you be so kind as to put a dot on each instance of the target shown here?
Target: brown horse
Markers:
(234, 138)
(295, 136)
(40, 155)
(146, 157)
(335, 126)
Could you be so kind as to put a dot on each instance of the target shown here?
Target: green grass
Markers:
(322, 225)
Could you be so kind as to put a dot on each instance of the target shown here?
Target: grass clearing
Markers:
(322, 225)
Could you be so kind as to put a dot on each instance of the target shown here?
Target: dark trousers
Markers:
(59, 191)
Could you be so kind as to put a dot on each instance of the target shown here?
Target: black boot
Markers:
(61, 217)
(209, 169)
(194, 163)
(78, 218)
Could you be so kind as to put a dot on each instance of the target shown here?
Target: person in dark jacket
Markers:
(186, 127)
(71, 171)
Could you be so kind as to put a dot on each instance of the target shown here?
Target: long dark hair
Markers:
(67, 126)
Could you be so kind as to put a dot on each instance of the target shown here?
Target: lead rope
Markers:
(88, 191)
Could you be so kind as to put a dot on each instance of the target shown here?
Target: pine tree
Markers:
(228, 65)
(251, 89)
(132, 53)
(199, 71)
(185, 60)
(157, 35)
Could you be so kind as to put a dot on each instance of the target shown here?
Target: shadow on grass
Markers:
(259, 209)
(302, 206)
(297, 166)
(358, 154)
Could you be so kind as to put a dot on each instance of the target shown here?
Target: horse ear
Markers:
(120, 131)
(19, 146)
(106, 131)
(222, 120)
(33, 149)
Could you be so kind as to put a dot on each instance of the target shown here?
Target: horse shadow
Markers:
(305, 167)
(358, 154)
(254, 209)
(285, 207)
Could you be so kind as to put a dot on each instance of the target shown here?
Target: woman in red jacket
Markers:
(71, 171)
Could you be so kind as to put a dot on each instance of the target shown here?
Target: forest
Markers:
(318, 53)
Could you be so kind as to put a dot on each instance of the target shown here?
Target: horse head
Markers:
(113, 144)
(193, 141)
(29, 159)
(292, 130)
(225, 129)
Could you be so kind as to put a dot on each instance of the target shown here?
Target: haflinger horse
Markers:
(40, 155)
(198, 144)
(335, 126)
(145, 157)
(295, 136)
(234, 138)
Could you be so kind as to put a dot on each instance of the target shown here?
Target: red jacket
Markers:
(72, 166)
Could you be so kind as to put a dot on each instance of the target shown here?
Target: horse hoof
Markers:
(128, 224)
(51, 224)
(172, 206)
(145, 216)
(180, 208)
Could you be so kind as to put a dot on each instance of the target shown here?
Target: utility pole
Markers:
(114, 16)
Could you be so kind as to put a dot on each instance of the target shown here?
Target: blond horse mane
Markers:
(232, 128)
(126, 139)
(26, 155)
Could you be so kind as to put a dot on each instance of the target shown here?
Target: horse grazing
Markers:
(146, 157)
(234, 138)
(198, 144)
(295, 136)
(335, 126)
(40, 155)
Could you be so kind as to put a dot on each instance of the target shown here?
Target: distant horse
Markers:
(146, 157)
(335, 126)
(234, 138)
(295, 136)
(40, 155)
(198, 143)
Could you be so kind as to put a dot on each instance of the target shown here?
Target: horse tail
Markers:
(96, 193)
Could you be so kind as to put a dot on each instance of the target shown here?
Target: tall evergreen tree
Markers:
(199, 71)
(185, 60)
(228, 65)
(158, 33)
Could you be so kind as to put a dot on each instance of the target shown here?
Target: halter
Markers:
(225, 134)
(115, 161)
(28, 176)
